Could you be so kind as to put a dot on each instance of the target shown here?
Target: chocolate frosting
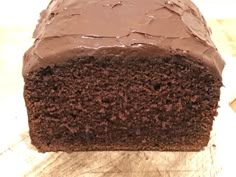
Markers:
(72, 29)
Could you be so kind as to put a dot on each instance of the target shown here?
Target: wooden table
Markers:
(19, 158)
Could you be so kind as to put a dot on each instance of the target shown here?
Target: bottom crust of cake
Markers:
(114, 103)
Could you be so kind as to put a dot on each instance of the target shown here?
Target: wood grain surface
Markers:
(19, 158)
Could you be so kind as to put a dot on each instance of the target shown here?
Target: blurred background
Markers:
(17, 22)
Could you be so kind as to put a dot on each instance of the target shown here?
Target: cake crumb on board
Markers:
(233, 105)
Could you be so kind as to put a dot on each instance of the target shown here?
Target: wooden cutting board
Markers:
(19, 158)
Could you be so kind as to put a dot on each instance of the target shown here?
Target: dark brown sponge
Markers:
(122, 104)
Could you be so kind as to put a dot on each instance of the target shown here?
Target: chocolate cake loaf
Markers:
(121, 75)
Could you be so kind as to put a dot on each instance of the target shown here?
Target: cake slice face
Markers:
(135, 76)
(122, 104)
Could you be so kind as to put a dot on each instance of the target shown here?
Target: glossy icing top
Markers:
(69, 29)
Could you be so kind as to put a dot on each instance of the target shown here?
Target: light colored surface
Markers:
(19, 158)
(217, 9)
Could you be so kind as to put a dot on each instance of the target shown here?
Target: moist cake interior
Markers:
(113, 103)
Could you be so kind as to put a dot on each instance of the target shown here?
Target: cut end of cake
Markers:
(114, 103)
